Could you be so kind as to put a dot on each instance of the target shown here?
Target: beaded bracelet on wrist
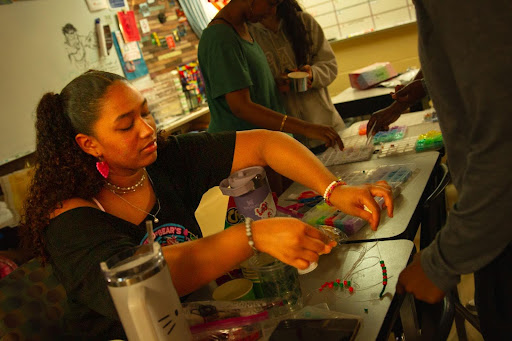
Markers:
(248, 232)
(330, 189)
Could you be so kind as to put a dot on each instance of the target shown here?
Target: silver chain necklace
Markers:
(155, 219)
(124, 190)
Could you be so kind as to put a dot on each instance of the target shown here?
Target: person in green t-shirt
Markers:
(240, 88)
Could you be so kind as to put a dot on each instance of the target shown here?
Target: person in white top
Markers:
(293, 40)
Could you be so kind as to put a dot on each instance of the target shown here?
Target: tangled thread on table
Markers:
(347, 280)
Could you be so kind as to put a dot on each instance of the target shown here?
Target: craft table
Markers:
(414, 121)
(353, 102)
(366, 279)
(422, 165)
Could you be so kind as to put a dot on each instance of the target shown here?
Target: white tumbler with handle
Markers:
(141, 287)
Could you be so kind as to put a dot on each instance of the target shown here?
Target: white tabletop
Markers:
(414, 121)
(351, 94)
(421, 164)
(366, 280)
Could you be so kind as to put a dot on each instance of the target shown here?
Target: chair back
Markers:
(32, 303)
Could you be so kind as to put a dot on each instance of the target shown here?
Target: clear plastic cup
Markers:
(278, 280)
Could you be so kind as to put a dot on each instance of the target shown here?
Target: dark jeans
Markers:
(493, 297)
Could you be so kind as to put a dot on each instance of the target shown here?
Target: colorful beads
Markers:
(384, 277)
(338, 284)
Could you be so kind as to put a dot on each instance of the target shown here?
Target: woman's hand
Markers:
(283, 83)
(381, 119)
(324, 133)
(353, 199)
(409, 94)
(307, 68)
(290, 240)
(404, 96)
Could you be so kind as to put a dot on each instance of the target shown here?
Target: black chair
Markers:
(462, 314)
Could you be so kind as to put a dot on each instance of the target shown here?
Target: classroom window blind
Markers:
(341, 19)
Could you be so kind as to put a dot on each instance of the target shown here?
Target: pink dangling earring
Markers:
(103, 168)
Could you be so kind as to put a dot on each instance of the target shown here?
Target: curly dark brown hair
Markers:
(295, 30)
(62, 169)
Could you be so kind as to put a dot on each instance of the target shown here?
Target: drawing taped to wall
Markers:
(78, 47)
(82, 51)
(48, 56)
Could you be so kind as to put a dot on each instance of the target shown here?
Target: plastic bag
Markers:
(227, 320)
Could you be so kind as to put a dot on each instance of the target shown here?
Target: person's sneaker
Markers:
(471, 307)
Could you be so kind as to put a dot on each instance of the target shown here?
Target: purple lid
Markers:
(243, 181)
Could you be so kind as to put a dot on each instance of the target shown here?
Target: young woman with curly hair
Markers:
(292, 40)
(76, 217)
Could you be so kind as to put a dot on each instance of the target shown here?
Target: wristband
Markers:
(248, 232)
(330, 188)
(282, 122)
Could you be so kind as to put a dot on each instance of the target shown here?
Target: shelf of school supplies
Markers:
(176, 122)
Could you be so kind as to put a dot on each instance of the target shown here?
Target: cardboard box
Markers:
(371, 75)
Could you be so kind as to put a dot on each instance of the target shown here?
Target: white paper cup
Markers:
(298, 81)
